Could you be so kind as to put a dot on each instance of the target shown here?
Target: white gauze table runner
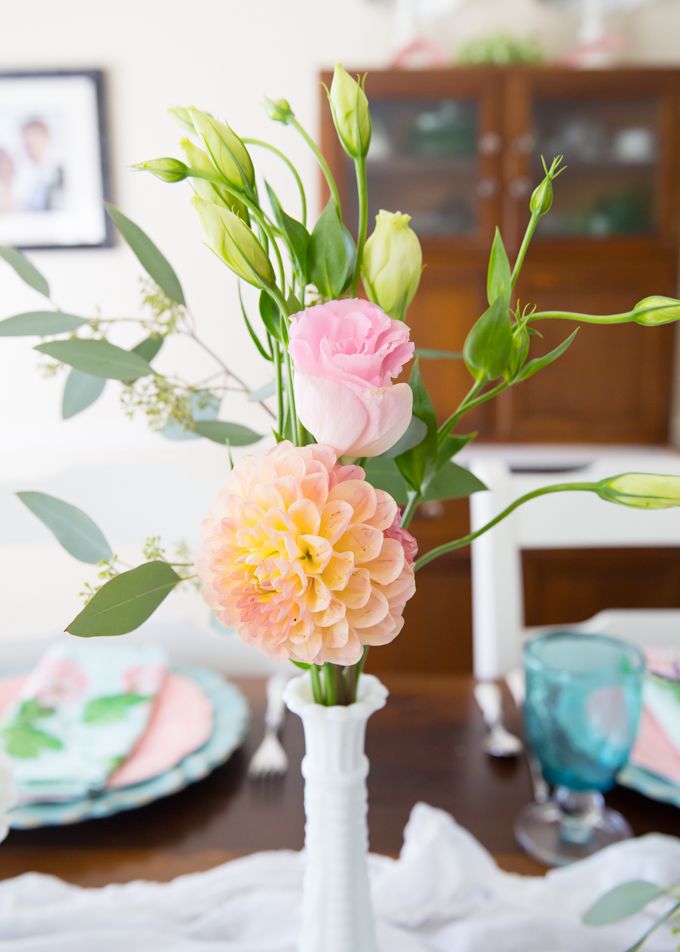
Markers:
(444, 894)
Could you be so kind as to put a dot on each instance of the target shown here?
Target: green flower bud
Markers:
(542, 198)
(351, 114)
(182, 116)
(519, 351)
(167, 169)
(642, 490)
(210, 191)
(233, 242)
(279, 110)
(656, 310)
(228, 153)
(392, 264)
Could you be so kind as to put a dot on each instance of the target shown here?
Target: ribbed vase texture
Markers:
(336, 902)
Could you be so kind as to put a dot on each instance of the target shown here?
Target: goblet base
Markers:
(539, 829)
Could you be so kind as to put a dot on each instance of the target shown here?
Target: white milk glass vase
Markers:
(336, 901)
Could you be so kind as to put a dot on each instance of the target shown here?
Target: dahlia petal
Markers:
(300, 632)
(350, 653)
(336, 636)
(315, 488)
(308, 650)
(305, 517)
(385, 511)
(336, 573)
(351, 471)
(288, 488)
(317, 596)
(359, 494)
(291, 466)
(323, 454)
(384, 632)
(387, 567)
(375, 609)
(265, 496)
(403, 587)
(358, 589)
(332, 614)
(249, 515)
(263, 471)
(335, 517)
(363, 541)
(315, 553)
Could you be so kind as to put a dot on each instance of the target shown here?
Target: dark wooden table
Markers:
(424, 745)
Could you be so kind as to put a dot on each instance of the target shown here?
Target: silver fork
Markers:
(270, 759)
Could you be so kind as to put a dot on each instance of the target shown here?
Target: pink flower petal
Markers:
(330, 411)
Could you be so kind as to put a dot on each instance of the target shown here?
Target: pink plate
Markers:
(181, 722)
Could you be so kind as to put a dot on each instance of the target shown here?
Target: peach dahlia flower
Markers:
(295, 555)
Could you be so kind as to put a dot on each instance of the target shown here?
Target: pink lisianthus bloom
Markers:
(346, 354)
(295, 555)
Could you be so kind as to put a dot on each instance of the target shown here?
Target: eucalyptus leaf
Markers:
(499, 278)
(427, 354)
(268, 390)
(149, 347)
(151, 259)
(622, 901)
(232, 433)
(415, 434)
(74, 530)
(327, 257)
(26, 271)
(204, 406)
(488, 346)
(98, 358)
(40, 324)
(538, 363)
(451, 482)
(80, 391)
(125, 601)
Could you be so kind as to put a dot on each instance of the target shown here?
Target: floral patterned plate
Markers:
(230, 712)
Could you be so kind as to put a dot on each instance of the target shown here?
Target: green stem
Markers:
(361, 664)
(316, 684)
(279, 385)
(322, 162)
(362, 188)
(284, 158)
(449, 424)
(466, 540)
(298, 432)
(528, 235)
(583, 318)
(413, 496)
(659, 922)
(330, 684)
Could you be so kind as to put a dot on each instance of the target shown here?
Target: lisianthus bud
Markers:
(210, 191)
(642, 490)
(234, 243)
(542, 198)
(657, 310)
(392, 264)
(228, 153)
(351, 114)
(182, 116)
(279, 110)
(167, 169)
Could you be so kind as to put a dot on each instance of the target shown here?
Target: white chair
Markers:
(559, 521)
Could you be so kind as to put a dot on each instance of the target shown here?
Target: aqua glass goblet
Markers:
(582, 709)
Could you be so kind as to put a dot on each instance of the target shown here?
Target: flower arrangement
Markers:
(306, 550)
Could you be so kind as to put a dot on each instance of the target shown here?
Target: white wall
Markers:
(221, 56)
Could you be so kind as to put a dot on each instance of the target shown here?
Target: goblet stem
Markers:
(581, 810)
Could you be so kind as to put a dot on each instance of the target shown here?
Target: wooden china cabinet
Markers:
(460, 151)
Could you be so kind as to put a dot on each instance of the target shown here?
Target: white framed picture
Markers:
(53, 163)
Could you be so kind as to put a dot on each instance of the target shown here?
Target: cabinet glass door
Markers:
(610, 146)
(423, 159)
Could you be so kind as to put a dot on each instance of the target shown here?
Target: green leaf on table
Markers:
(25, 742)
(74, 530)
(98, 358)
(40, 324)
(428, 354)
(114, 707)
(622, 901)
(80, 391)
(26, 271)
(327, 256)
(154, 263)
(499, 278)
(297, 234)
(488, 346)
(451, 482)
(232, 433)
(31, 710)
(271, 316)
(415, 434)
(149, 347)
(384, 474)
(418, 465)
(538, 363)
(125, 601)
(268, 390)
